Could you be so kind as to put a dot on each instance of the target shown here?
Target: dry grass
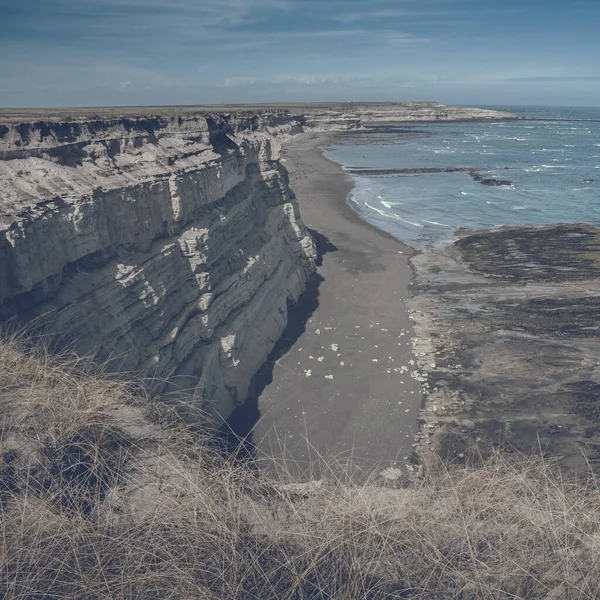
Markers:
(102, 499)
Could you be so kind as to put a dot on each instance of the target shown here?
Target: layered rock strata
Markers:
(166, 245)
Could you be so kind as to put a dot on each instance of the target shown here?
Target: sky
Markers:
(156, 52)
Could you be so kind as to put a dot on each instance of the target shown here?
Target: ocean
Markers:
(545, 169)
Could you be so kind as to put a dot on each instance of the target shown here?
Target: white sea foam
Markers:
(436, 223)
(407, 221)
(378, 210)
(392, 216)
(390, 204)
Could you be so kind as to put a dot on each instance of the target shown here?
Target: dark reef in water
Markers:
(477, 176)
(509, 334)
(475, 173)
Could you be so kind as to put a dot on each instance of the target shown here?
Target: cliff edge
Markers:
(166, 242)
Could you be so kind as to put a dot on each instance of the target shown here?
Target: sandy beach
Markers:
(339, 382)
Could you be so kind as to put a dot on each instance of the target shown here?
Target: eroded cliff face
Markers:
(166, 245)
(169, 247)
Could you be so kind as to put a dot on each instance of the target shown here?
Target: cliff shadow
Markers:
(323, 245)
(237, 433)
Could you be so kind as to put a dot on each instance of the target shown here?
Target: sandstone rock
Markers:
(171, 249)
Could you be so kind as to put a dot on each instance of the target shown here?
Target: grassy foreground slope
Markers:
(106, 495)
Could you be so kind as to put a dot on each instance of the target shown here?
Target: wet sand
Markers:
(339, 382)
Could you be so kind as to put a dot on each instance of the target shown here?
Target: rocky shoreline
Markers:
(507, 340)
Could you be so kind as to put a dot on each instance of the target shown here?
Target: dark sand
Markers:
(353, 325)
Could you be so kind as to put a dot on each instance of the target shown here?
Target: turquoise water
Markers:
(546, 159)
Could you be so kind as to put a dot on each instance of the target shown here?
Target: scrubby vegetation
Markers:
(105, 494)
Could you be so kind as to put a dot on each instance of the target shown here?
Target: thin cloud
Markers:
(554, 78)
(380, 15)
(358, 37)
(235, 82)
(355, 81)
(89, 21)
(190, 51)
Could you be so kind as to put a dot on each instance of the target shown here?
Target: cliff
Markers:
(165, 242)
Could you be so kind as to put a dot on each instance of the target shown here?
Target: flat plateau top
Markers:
(14, 115)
